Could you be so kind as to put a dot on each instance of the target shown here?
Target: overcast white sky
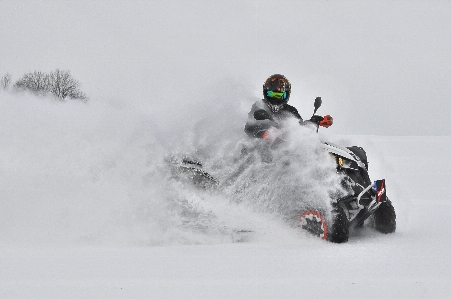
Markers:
(382, 67)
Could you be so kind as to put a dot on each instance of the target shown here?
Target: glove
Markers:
(327, 121)
(316, 119)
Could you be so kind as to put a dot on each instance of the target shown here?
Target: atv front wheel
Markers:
(385, 218)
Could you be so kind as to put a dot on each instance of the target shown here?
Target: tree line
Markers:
(60, 83)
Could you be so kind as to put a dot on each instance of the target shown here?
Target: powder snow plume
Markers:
(98, 173)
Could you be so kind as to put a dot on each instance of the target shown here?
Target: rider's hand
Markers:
(327, 121)
(316, 119)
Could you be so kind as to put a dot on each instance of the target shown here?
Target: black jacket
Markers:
(258, 121)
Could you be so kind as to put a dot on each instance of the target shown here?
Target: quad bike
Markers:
(363, 198)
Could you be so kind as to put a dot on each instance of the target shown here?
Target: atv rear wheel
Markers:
(336, 231)
(313, 222)
(385, 218)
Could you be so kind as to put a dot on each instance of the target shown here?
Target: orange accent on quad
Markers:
(318, 217)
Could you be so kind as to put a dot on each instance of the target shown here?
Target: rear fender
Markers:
(381, 190)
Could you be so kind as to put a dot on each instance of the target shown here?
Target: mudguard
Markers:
(381, 190)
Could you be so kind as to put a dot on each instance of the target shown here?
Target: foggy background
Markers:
(381, 67)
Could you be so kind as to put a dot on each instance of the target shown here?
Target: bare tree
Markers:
(60, 83)
(36, 82)
(63, 85)
(5, 81)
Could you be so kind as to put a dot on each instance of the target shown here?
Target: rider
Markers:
(266, 116)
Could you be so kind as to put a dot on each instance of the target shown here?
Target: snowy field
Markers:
(82, 217)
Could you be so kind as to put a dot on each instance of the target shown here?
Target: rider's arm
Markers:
(257, 128)
(317, 120)
(293, 111)
(259, 121)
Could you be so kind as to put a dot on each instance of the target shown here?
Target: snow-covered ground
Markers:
(86, 213)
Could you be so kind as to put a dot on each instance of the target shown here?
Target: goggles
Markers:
(277, 95)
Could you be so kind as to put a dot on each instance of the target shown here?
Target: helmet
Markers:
(277, 90)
